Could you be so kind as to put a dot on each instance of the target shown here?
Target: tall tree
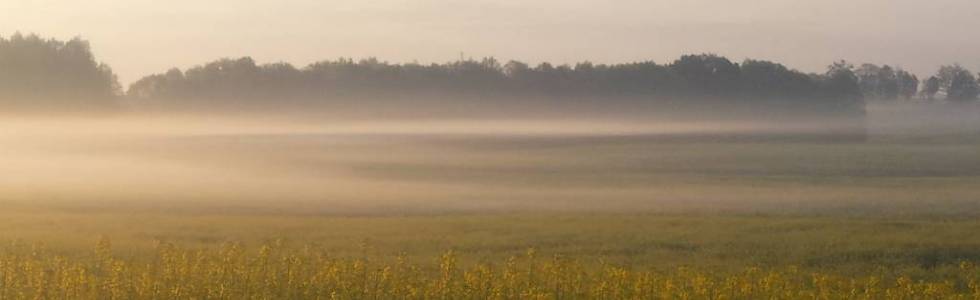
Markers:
(707, 72)
(869, 80)
(908, 84)
(888, 86)
(958, 83)
(879, 82)
(841, 79)
(931, 87)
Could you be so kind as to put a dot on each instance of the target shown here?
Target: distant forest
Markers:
(692, 78)
(49, 73)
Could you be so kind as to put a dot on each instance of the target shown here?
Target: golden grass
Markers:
(271, 271)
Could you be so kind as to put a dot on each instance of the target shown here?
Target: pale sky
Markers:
(138, 37)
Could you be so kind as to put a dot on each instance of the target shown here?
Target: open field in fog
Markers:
(207, 186)
(572, 150)
(654, 197)
(487, 168)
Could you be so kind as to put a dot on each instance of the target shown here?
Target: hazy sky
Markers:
(137, 37)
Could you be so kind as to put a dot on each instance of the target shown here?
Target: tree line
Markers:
(953, 82)
(48, 72)
(700, 77)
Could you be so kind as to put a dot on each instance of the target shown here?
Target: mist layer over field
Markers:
(267, 164)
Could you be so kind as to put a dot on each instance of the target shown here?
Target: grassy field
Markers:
(446, 215)
(717, 241)
(547, 256)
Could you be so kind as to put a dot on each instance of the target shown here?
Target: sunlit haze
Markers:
(489, 149)
(140, 37)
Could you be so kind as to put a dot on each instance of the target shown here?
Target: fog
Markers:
(269, 164)
(246, 108)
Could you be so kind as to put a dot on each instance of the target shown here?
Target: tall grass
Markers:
(272, 271)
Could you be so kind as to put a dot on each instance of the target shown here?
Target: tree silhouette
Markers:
(908, 84)
(931, 87)
(885, 82)
(36, 72)
(958, 83)
(691, 78)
